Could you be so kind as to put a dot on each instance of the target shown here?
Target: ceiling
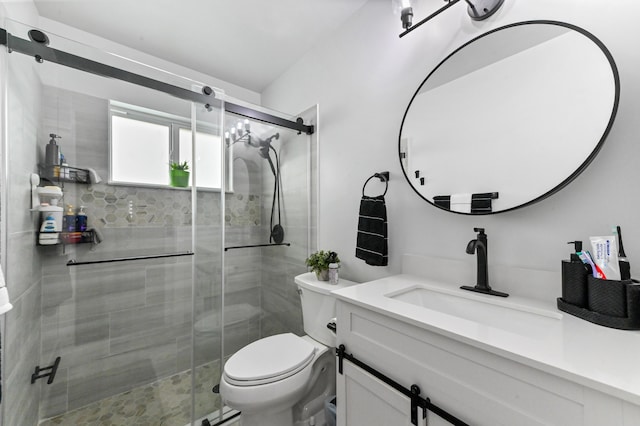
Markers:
(245, 42)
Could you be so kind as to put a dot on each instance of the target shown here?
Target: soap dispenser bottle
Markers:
(574, 278)
(69, 220)
(52, 154)
(81, 220)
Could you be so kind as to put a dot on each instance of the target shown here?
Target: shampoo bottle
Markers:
(48, 232)
(69, 220)
(52, 156)
(81, 220)
(574, 278)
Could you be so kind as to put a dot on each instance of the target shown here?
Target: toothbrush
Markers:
(585, 256)
(600, 272)
(621, 255)
(625, 267)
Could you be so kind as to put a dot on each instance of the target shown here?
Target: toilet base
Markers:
(280, 418)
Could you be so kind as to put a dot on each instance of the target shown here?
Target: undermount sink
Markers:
(491, 311)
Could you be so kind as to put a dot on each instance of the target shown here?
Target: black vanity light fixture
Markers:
(478, 10)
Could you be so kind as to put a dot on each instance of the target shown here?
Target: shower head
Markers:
(265, 145)
(275, 136)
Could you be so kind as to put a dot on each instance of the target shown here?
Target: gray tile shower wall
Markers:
(82, 123)
(280, 265)
(22, 268)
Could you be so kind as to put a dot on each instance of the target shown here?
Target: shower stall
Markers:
(127, 317)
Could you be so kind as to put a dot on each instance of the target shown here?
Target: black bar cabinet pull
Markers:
(73, 262)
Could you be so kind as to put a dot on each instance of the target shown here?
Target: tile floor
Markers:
(166, 402)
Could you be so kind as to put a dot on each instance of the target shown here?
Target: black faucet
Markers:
(479, 246)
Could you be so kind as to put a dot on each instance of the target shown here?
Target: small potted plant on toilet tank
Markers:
(319, 263)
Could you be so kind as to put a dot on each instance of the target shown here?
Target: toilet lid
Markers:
(276, 356)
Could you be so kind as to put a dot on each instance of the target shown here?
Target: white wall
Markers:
(363, 78)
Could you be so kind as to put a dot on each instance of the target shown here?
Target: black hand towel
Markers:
(371, 244)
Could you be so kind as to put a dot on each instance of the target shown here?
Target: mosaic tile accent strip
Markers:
(242, 210)
(111, 206)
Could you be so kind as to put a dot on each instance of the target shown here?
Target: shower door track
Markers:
(42, 52)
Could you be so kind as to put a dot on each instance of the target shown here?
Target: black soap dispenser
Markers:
(574, 278)
(52, 154)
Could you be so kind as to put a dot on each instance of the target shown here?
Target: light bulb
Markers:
(247, 125)
(398, 5)
(406, 16)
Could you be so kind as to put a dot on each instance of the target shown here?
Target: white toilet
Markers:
(283, 380)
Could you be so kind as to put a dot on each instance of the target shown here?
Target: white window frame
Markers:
(174, 123)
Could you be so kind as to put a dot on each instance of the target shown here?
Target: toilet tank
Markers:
(318, 306)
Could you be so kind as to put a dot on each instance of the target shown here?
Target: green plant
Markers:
(184, 166)
(179, 174)
(320, 260)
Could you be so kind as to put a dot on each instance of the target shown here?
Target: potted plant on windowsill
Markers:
(179, 174)
(319, 263)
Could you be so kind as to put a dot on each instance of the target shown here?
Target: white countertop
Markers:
(598, 357)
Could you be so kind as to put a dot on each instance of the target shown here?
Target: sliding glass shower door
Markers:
(267, 230)
(123, 297)
(132, 280)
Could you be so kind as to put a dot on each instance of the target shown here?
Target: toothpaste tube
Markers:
(605, 256)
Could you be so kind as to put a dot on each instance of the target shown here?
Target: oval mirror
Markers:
(509, 118)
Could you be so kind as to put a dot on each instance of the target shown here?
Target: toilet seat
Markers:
(269, 360)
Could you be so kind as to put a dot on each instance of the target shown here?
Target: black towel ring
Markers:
(383, 176)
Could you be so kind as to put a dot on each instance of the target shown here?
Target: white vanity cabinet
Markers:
(365, 400)
(468, 379)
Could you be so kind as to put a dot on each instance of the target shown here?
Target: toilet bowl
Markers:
(266, 391)
(283, 380)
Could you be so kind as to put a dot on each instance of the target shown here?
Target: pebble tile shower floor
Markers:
(166, 402)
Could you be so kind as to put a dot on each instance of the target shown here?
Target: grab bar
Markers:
(256, 245)
(74, 262)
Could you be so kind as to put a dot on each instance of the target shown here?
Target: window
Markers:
(207, 156)
(144, 142)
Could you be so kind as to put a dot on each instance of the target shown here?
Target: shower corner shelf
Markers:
(69, 238)
(62, 174)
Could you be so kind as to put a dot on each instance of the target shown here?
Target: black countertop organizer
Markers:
(609, 303)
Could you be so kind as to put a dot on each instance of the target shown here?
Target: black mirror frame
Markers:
(581, 168)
